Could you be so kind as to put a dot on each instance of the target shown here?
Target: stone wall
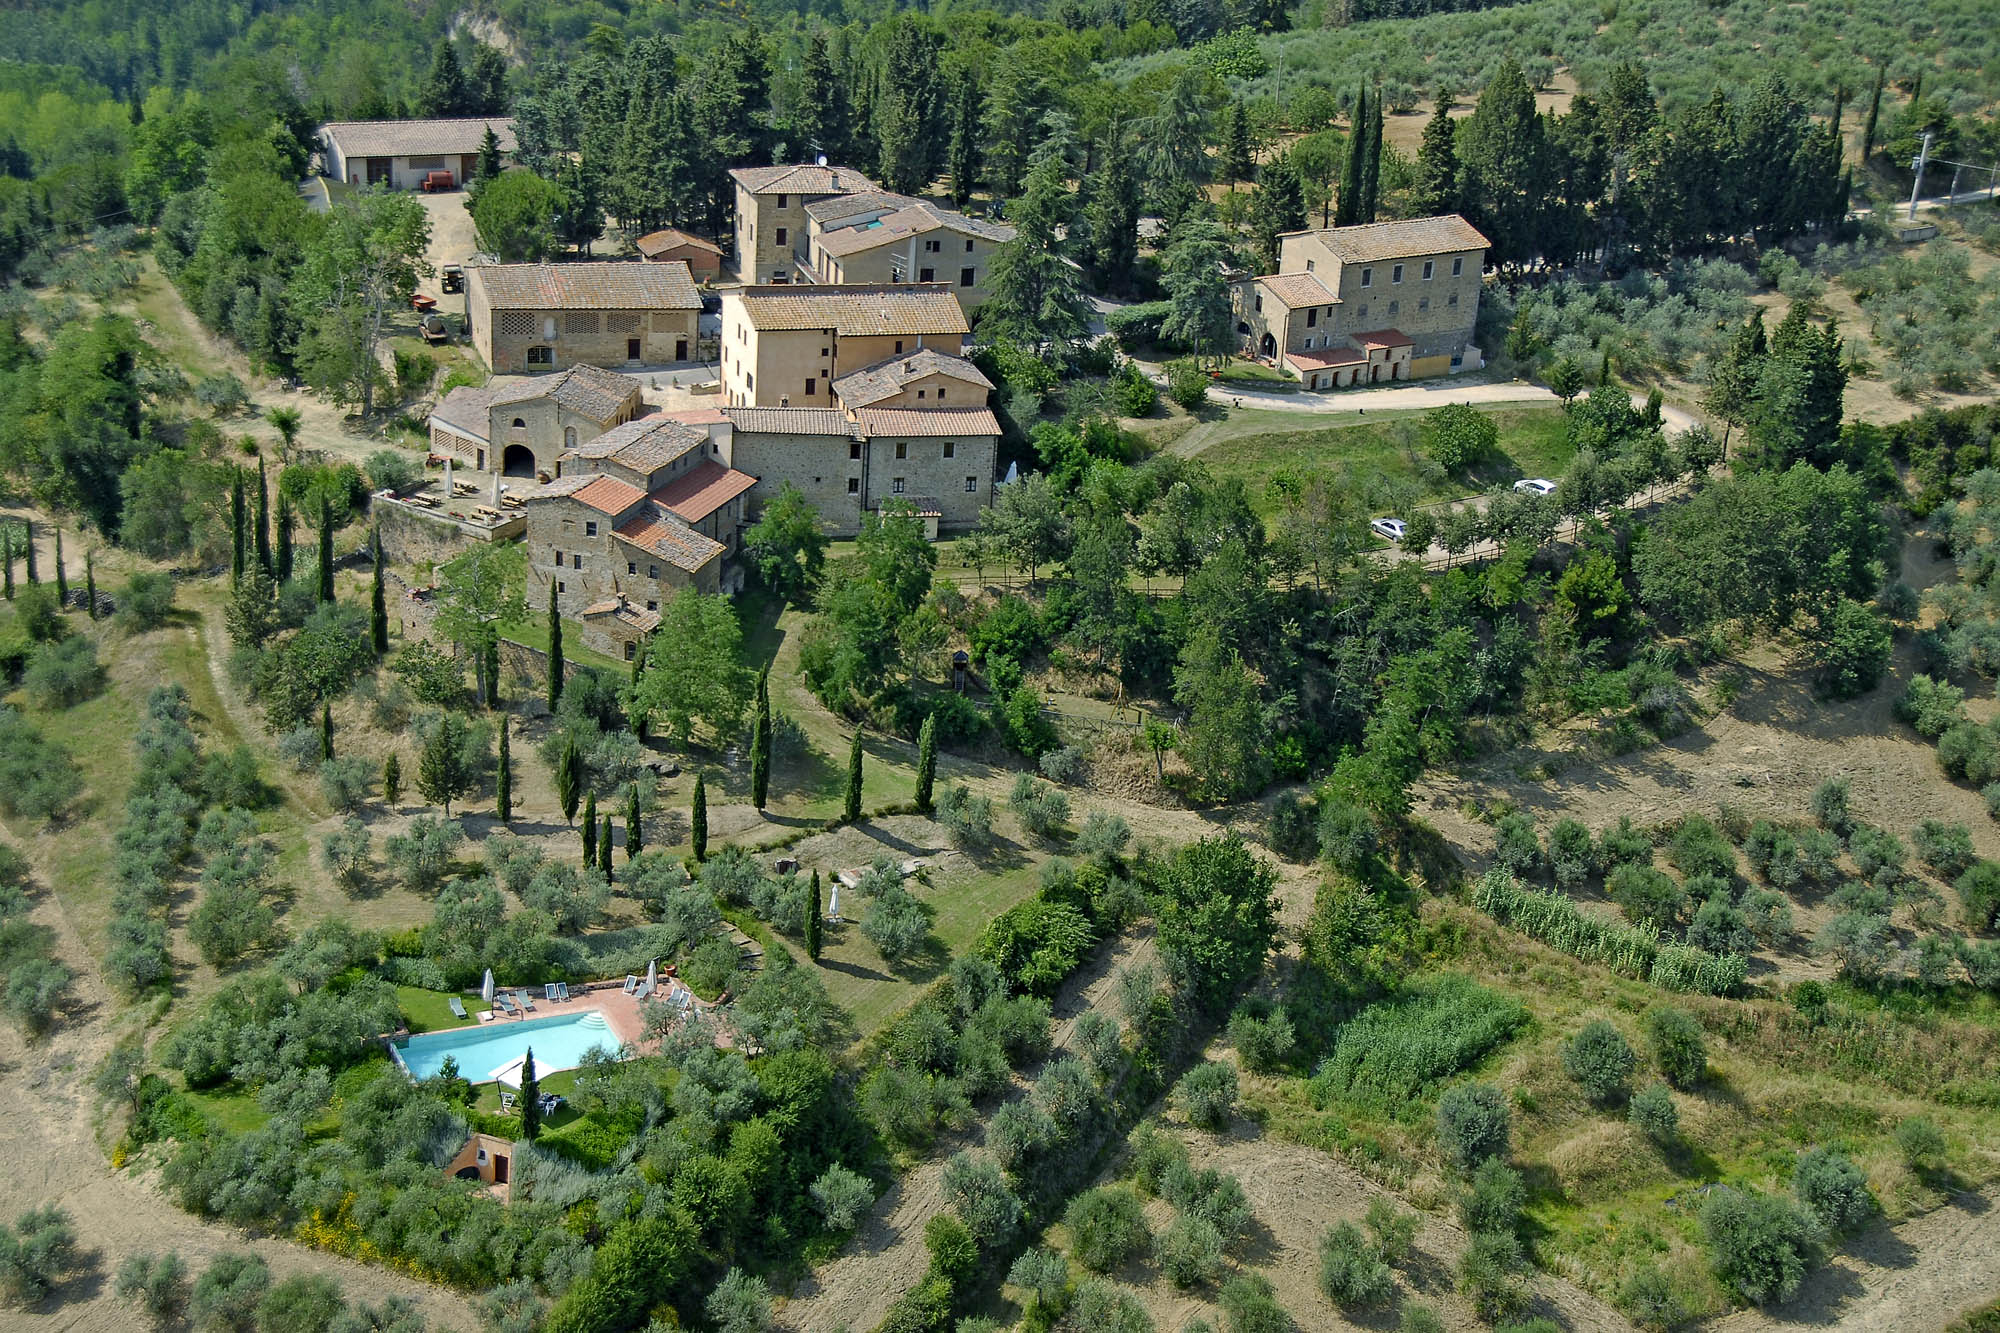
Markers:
(411, 536)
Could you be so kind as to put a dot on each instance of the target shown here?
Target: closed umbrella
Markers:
(652, 973)
(486, 987)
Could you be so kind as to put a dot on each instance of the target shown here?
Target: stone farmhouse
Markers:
(400, 153)
(771, 215)
(1361, 305)
(524, 428)
(670, 245)
(784, 346)
(891, 238)
(525, 318)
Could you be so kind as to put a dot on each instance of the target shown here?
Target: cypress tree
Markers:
(555, 652)
(378, 601)
(851, 811)
(926, 763)
(604, 846)
(634, 826)
(492, 654)
(325, 549)
(1348, 211)
(238, 528)
(812, 920)
(1874, 114)
(760, 742)
(263, 519)
(698, 818)
(503, 781)
(1371, 165)
(531, 1097)
(569, 777)
(284, 572)
(28, 547)
(392, 779)
(325, 732)
(7, 558)
(589, 831)
(62, 579)
(90, 584)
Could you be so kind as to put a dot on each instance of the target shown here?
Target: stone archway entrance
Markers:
(518, 461)
(1267, 346)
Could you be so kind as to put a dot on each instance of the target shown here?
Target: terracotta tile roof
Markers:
(697, 416)
(644, 445)
(856, 309)
(607, 495)
(609, 286)
(1326, 358)
(886, 379)
(791, 421)
(672, 238)
(1298, 289)
(659, 532)
(830, 212)
(586, 390)
(905, 223)
(1375, 241)
(702, 490)
(926, 421)
(618, 607)
(467, 411)
(1382, 338)
(804, 178)
(417, 138)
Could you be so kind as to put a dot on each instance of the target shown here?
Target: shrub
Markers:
(64, 674)
(344, 780)
(226, 1296)
(1600, 1060)
(390, 470)
(37, 1254)
(145, 602)
(1878, 855)
(1945, 848)
(157, 1285)
(1979, 892)
(1489, 1275)
(1100, 1306)
(1044, 1275)
(967, 818)
(1720, 928)
(1832, 1189)
(345, 853)
(740, 1303)
(1922, 1144)
(1154, 1154)
(1859, 942)
(1623, 844)
(1187, 384)
(1494, 1198)
(421, 854)
(1262, 1034)
(1698, 848)
(841, 1196)
(897, 924)
(1189, 1252)
(1572, 857)
(1252, 1305)
(1135, 395)
(1970, 753)
(39, 616)
(1420, 1319)
(1206, 1094)
(1041, 808)
(1647, 896)
(1107, 1226)
(1393, 1228)
(979, 1196)
(1678, 1046)
(1653, 1113)
(1473, 1124)
(1830, 805)
(1393, 1052)
(1760, 1244)
(1515, 846)
(1932, 707)
(1293, 831)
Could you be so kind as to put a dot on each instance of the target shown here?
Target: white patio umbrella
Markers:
(833, 904)
(486, 987)
(652, 974)
(509, 1074)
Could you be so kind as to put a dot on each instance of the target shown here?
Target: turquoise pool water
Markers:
(559, 1042)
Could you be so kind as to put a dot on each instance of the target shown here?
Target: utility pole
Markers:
(1916, 186)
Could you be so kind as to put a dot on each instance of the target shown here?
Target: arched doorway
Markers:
(1267, 346)
(569, 437)
(518, 461)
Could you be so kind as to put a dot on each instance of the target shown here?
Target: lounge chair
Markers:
(645, 990)
(506, 1101)
(525, 1000)
(562, 991)
(549, 992)
(457, 1007)
(502, 1003)
(631, 983)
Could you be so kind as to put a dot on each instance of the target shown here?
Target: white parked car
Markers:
(1389, 529)
(1536, 486)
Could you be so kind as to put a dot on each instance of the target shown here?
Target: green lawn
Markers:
(430, 1011)
(1381, 452)
(534, 633)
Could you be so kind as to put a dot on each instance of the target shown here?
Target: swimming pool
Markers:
(559, 1042)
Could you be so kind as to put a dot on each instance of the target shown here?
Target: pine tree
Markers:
(531, 1097)
(698, 818)
(820, 117)
(1868, 126)
(90, 584)
(605, 845)
(238, 530)
(1279, 207)
(634, 825)
(263, 519)
(760, 742)
(378, 601)
(1235, 163)
(1348, 211)
(569, 777)
(927, 763)
(486, 85)
(444, 93)
(325, 732)
(813, 920)
(851, 810)
(284, 570)
(487, 166)
(442, 772)
(555, 652)
(589, 831)
(1112, 215)
(392, 779)
(1437, 165)
(962, 157)
(62, 578)
(503, 780)
(325, 549)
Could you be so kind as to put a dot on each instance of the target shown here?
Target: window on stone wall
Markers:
(589, 528)
(541, 356)
(516, 323)
(1458, 266)
(652, 571)
(896, 486)
(631, 566)
(580, 321)
(631, 650)
(854, 451)
(622, 322)
(854, 485)
(971, 485)
(950, 447)
(902, 449)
